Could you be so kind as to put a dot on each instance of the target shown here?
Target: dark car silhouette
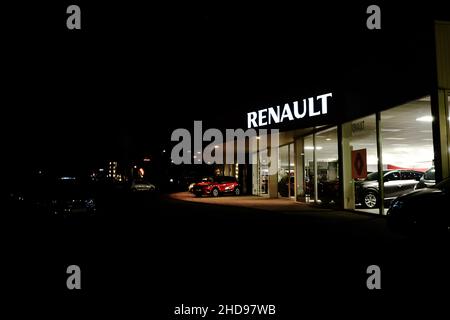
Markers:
(396, 183)
(421, 210)
(217, 186)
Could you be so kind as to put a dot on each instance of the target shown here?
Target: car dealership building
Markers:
(324, 149)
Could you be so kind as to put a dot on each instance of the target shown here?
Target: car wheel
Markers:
(215, 192)
(237, 191)
(370, 200)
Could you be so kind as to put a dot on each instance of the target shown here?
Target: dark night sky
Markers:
(116, 88)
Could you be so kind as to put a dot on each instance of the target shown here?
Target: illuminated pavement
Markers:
(255, 202)
(280, 205)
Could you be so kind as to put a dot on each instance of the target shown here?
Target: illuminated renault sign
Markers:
(289, 112)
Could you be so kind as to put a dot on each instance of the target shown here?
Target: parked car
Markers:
(217, 186)
(396, 183)
(61, 197)
(421, 210)
(191, 186)
(71, 198)
(427, 180)
(142, 185)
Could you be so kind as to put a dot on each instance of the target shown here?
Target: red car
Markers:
(217, 186)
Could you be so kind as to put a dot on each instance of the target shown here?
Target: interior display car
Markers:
(428, 179)
(286, 183)
(328, 191)
(396, 183)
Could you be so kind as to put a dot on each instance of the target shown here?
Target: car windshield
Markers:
(374, 176)
(224, 179)
(70, 191)
(429, 175)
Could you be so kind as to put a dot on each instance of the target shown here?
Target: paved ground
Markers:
(277, 204)
(362, 223)
(255, 202)
(144, 255)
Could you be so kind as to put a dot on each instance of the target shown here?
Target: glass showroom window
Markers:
(407, 144)
(309, 172)
(264, 176)
(255, 173)
(291, 170)
(361, 188)
(286, 172)
(327, 166)
(260, 173)
(283, 171)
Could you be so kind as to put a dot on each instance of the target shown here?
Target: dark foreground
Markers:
(146, 255)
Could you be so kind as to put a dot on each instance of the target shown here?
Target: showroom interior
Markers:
(340, 164)
(310, 166)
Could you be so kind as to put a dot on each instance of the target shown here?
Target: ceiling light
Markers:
(328, 139)
(425, 119)
(391, 130)
(394, 138)
(312, 148)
